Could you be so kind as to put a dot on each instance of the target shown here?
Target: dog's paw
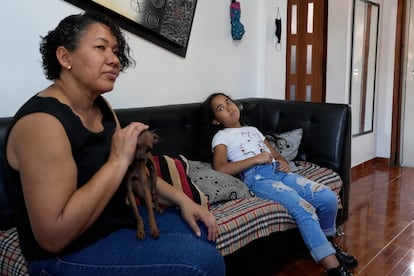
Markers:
(140, 235)
(155, 234)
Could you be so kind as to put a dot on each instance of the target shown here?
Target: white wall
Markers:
(338, 54)
(214, 61)
(377, 144)
(251, 67)
(386, 59)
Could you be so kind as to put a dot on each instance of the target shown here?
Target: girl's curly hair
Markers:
(68, 33)
(208, 128)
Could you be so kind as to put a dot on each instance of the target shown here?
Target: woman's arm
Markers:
(59, 212)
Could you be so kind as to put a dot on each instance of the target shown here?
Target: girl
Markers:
(243, 150)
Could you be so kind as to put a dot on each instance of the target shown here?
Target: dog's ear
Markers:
(157, 138)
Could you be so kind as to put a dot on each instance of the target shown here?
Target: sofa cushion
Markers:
(215, 185)
(174, 170)
(12, 261)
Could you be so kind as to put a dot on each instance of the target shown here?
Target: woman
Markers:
(243, 150)
(66, 157)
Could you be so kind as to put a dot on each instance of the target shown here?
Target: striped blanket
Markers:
(244, 220)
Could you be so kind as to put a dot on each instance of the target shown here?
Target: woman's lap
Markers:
(176, 252)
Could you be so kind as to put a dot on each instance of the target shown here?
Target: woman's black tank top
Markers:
(90, 151)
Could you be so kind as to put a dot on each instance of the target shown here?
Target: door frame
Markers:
(400, 42)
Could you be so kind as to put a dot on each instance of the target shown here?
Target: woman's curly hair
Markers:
(68, 33)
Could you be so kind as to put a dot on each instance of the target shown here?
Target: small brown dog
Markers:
(141, 180)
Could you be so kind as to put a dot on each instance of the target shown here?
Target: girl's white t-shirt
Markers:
(241, 142)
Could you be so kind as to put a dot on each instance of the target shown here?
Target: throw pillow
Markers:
(215, 185)
(174, 170)
(287, 144)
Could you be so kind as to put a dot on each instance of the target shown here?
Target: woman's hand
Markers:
(192, 212)
(124, 142)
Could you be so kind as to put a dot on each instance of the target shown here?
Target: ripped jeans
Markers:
(313, 206)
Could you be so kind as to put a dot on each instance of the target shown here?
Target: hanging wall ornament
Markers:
(237, 28)
(278, 31)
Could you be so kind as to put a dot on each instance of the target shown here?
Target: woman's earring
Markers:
(69, 67)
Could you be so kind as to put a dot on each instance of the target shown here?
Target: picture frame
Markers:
(166, 23)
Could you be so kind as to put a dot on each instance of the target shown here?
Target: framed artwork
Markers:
(166, 23)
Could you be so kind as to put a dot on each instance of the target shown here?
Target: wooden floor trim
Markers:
(377, 161)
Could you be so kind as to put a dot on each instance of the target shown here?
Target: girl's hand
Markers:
(264, 158)
(283, 165)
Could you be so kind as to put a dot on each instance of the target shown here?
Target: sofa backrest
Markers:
(179, 127)
(6, 213)
(326, 136)
(326, 127)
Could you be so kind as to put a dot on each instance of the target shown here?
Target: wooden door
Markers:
(306, 50)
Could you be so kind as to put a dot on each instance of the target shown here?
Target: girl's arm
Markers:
(221, 163)
(283, 163)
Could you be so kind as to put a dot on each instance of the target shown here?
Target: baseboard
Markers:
(377, 161)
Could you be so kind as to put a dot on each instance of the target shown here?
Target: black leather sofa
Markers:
(326, 141)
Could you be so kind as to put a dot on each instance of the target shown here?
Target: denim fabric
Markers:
(313, 205)
(176, 252)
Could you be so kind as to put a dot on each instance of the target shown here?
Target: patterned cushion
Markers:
(286, 143)
(12, 261)
(215, 185)
(174, 170)
(241, 221)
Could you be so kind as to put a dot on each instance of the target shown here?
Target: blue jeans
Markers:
(313, 206)
(176, 252)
